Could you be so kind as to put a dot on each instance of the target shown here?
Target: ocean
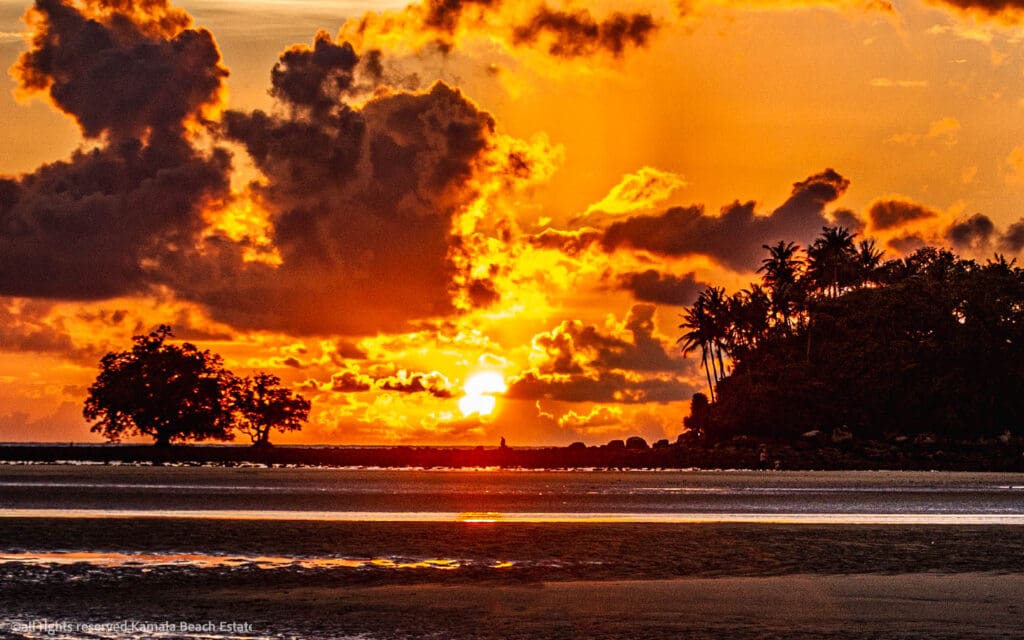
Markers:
(107, 551)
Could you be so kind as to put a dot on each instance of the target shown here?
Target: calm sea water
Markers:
(82, 533)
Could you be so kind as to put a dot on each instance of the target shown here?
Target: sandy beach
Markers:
(932, 606)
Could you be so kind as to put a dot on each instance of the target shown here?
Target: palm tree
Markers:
(749, 311)
(716, 306)
(781, 274)
(868, 261)
(697, 335)
(832, 260)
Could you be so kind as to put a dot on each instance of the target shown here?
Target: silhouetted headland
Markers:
(816, 452)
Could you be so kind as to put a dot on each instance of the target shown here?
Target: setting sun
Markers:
(480, 389)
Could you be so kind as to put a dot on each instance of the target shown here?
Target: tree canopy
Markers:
(177, 392)
(262, 404)
(927, 343)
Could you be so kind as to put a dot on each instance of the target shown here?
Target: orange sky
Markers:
(423, 194)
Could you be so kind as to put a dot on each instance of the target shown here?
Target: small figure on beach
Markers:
(503, 445)
(762, 459)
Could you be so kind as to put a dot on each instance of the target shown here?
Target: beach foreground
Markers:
(227, 554)
(934, 606)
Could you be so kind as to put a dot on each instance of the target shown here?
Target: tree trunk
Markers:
(262, 438)
(711, 386)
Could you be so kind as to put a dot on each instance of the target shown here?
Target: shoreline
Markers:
(739, 453)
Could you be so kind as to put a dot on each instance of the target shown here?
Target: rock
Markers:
(925, 438)
(577, 445)
(616, 444)
(815, 433)
(636, 442)
(839, 434)
(661, 444)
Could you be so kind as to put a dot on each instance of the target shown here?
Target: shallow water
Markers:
(101, 490)
(96, 545)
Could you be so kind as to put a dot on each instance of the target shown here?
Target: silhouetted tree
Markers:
(832, 261)
(700, 414)
(936, 344)
(697, 334)
(782, 273)
(262, 404)
(166, 391)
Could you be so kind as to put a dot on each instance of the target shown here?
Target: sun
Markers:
(480, 389)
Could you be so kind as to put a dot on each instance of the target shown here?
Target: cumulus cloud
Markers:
(575, 33)
(734, 237)
(569, 242)
(353, 381)
(621, 362)
(631, 345)
(973, 233)
(597, 419)
(433, 383)
(445, 24)
(99, 224)
(26, 325)
(894, 213)
(362, 202)
(654, 286)
(637, 191)
(599, 387)
(1012, 240)
(123, 67)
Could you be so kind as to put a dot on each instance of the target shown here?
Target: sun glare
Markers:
(480, 389)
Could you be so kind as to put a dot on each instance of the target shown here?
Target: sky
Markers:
(457, 220)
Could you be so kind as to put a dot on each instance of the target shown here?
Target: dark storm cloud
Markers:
(889, 214)
(975, 232)
(314, 77)
(126, 69)
(362, 204)
(26, 327)
(575, 33)
(1007, 9)
(444, 15)
(662, 288)
(563, 33)
(848, 220)
(101, 223)
(1012, 241)
(735, 237)
(598, 387)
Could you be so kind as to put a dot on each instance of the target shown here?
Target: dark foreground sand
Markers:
(933, 606)
(916, 605)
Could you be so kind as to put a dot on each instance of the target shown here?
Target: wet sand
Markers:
(902, 606)
(544, 580)
(855, 606)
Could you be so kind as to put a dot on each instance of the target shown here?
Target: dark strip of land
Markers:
(739, 453)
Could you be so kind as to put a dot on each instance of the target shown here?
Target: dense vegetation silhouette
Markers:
(177, 393)
(835, 337)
